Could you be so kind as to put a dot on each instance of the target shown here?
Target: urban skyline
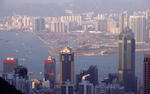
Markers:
(75, 50)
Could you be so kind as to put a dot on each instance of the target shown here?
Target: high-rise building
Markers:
(109, 89)
(111, 79)
(67, 88)
(112, 26)
(148, 18)
(86, 87)
(58, 27)
(123, 21)
(92, 78)
(101, 25)
(66, 65)
(138, 26)
(79, 78)
(74, 18)
(50, 70)
(22, 72)
(9, 64)
(38, 25)
(148, 24)
(23, 85)
(126, 64)
(146, 75)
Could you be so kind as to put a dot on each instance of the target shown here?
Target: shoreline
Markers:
(96, 54)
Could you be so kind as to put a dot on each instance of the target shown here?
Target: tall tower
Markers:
(9, 65)
(67, 88)
(22, 72)
(146, 75)
(123, 21)
(138, 26)
(50, 70)
(93, 71)
(85, 87)
(38, 25)
(148, 18)
(66, 65)
(126, 64)
(92, 78)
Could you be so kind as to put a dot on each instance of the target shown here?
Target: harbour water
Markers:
(31, 53)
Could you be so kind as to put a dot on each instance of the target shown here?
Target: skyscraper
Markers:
(112, 26)
(148, 18)
(123, 21)
(66, 65)
(67, 88)
(148, 24)
(93, 78)
(110, 89)
(58, 27)
(38, 24)
(22, 72)
(146, 75)
(86, 87)
(138, 26)
(9, 65)
(50, 70)
(126, 64)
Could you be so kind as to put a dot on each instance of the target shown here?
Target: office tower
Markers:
(111, 79)
(73, 26)
(109, 89)
(112, 26)
(38, 25)
(9, 64)
(146, 75)
(126, 64)
(102, 25)
(74, 18)
(45, 83)
(148, 24)
(123, 21)
(66, 65)
(148, 18)
(23, 85)
(138, 26)
(50, 70)
(58, 27)
(22, 72)
(92, 78)
(26, 21)
(67, 88)
(139, 86)
(85, 87)
(79, 78)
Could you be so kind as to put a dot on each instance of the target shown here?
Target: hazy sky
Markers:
(36, 1)
(145, 2)
(31, 6)
(62, 1)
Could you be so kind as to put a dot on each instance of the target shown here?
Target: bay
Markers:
(31, 52)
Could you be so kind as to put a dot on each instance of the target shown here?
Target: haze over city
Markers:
(57, 7)
(74, 46)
